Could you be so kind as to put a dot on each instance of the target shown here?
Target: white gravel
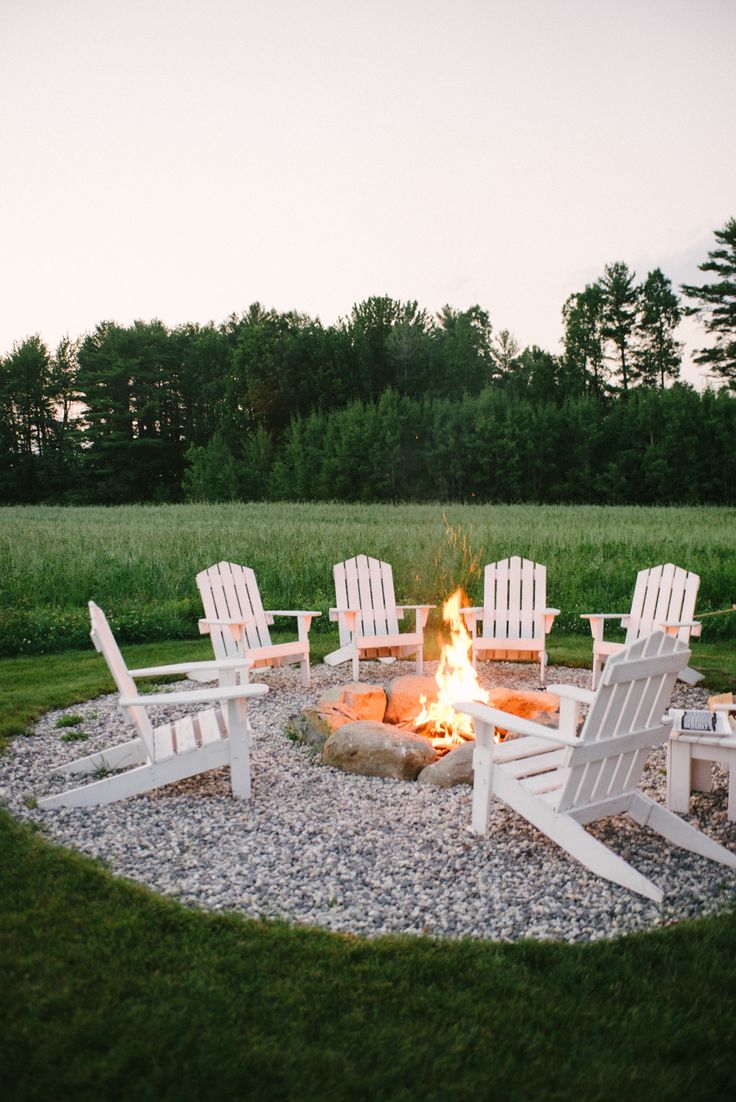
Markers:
(359, 854)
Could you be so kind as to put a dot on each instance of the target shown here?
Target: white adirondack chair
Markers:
(664, 599)
(160, 755)
(368, 616)
(559, 780)
(514, 618)
(238, 625)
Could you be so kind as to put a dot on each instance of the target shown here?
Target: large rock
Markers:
(310, 728)
(378, 750)
(456, 767)
(347, 703)
(542, 707)
(403, 697)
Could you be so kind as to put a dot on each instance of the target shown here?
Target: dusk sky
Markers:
(181, 159)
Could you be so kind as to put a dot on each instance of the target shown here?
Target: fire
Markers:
(456, 680)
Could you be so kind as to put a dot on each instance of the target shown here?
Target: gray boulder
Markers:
(456, 767)
(378, 750)
(309, 728)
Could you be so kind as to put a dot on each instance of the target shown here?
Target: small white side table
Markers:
(690, 758)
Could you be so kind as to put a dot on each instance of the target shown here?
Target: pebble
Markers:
(364, 855)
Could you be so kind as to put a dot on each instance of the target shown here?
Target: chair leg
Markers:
(142, 778)
(306, 673)
(356, 665)
(572, 837)
(649, 813)
(239, 739)
(420, 661)
(125, 753)
(543, 667)
(482, 783)
(596, 670)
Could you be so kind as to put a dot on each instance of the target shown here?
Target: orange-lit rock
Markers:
(403, 697)
(542, 707)
(347, 703)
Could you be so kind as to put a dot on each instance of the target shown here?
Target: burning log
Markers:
(456, 680)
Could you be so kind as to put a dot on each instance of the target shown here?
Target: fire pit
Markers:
(410, 730)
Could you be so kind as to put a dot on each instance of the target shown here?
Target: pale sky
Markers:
(181, 159)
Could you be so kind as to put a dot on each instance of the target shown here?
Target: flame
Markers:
(456, 680)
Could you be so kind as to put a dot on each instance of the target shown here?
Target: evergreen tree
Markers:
(619, 309)
(583, 368)
(464, 361)
(716, 305)
(505, 349)
(212, 474)
(658, 353)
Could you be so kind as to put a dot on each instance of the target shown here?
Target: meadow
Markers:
(139, 562)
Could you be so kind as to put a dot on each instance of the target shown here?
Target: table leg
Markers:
(731, 787)
(701, 776)
(678, 776)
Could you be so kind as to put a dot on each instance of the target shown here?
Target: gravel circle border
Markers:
(363, 855)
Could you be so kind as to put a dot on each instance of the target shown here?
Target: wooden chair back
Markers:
(104, 641)
(662, 593)
(230, 592)
(624, 722)
(514, 599)
(366, 584)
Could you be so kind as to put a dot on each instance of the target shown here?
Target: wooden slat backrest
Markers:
(514, 599)
(104, 641)
(631, 700)
(662, 593)
(366, 584)
(230, 592)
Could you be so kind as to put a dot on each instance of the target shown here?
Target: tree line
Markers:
(389, 403)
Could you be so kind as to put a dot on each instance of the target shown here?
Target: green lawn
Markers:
(112, 992)
(109, 991)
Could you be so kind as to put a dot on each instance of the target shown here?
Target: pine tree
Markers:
(583, 366)
(658, 355)
(620, 305)
(717, 305)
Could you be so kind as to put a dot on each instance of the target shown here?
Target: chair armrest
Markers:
(193, 667)
(336, 613)
(596, 621)
(421, 612)
(228, 623)
(236, 626)
(549, 619)
(671, 626)
(572, 692)
(293, 612)
(304, 619)
(197, 696)
(470, 616)
(494, 717)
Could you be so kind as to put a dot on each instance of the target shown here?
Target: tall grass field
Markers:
(139, 562)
